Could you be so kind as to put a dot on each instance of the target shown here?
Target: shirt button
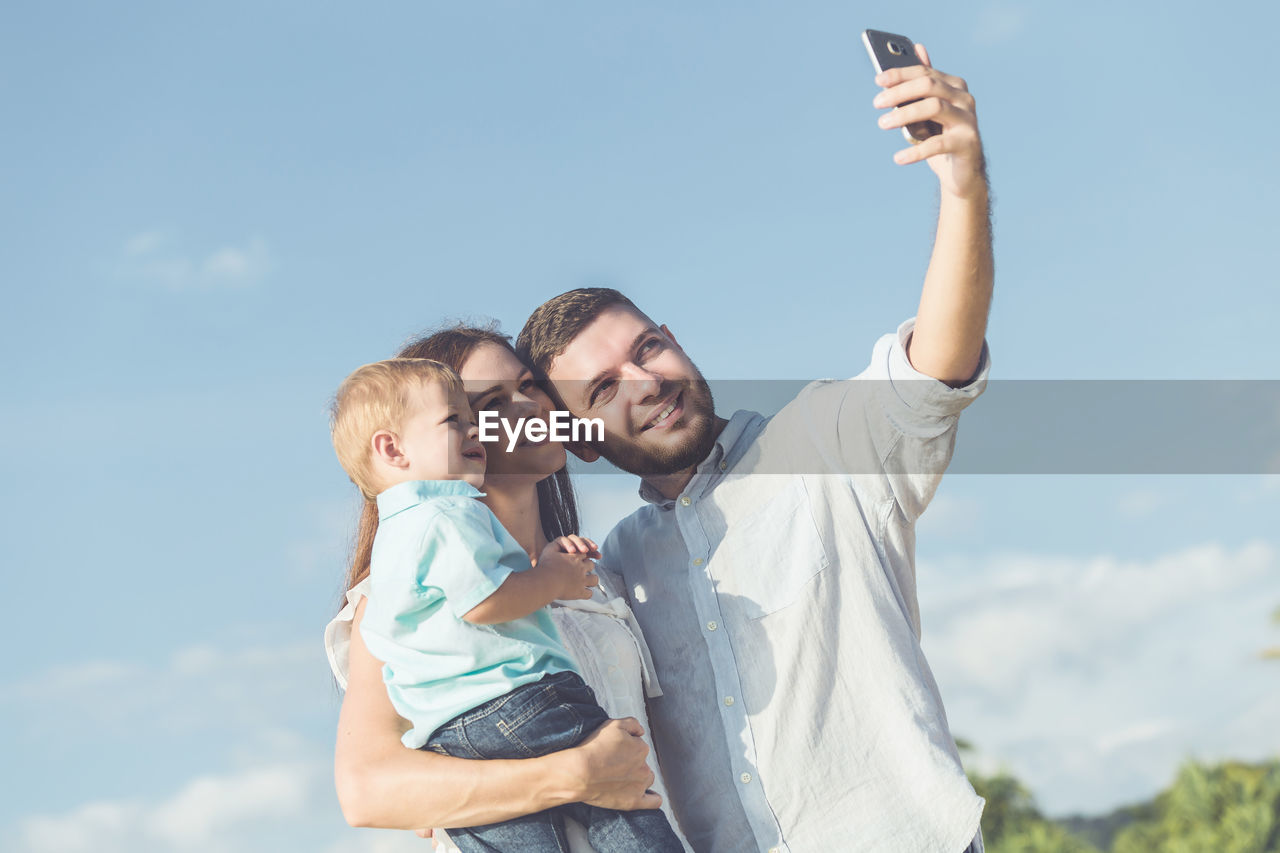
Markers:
(698, 561)
(685, 500)
(745, 777)
(711, 626)
(723, 466)
(773, 850)
(728, 700)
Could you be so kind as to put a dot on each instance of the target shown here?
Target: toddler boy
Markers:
(457, 613)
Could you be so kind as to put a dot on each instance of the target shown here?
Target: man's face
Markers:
(656, 407)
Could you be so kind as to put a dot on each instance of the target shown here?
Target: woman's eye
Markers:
(527, 385)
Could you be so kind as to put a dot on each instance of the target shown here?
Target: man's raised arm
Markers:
(952, 318)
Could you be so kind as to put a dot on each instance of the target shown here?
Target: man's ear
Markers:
(582, 450)
(667, 332)
(386, 448)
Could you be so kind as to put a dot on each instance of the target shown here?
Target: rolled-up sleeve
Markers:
(922, 395)
(891, 422)
(918, 415)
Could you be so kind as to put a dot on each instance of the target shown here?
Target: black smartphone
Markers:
(889, 50)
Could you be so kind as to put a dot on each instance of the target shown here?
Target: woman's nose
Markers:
(525, 407)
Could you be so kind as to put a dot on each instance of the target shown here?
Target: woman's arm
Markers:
(382, 783)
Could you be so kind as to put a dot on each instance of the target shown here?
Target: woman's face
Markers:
(496, 381)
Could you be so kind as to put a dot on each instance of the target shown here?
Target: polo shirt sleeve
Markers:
(890, 421)
(462, 556)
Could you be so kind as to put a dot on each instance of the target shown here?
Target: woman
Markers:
(379, 781)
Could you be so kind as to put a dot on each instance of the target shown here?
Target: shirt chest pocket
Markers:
(770, 555)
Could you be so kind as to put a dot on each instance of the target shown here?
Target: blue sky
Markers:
(213, 214)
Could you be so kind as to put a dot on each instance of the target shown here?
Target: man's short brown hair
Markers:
(553, 326)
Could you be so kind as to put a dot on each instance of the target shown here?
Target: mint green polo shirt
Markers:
(438, 553)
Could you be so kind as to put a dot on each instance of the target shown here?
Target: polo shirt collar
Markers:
(401, 496)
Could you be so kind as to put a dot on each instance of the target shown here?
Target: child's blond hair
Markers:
(376, 397)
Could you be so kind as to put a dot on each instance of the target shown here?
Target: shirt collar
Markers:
(724, 453)
(401, 496)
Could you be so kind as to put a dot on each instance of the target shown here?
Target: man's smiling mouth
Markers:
(664, 416)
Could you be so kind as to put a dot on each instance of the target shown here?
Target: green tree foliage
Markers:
(1225, 808)
(1011, 823)
(1232, 807)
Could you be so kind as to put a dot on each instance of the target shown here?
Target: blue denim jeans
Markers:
(547, 716)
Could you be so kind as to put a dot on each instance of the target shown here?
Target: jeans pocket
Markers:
(554, 727)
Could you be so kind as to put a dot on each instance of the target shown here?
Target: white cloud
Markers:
(199, 688)
(267, 807)
(1142, 503)
(1138, 733)
(208, 813)
(156, 258)
(1093, 678)
(952, 516)
(1000, 22)
(211, 803)
(82, 829)
(145, 243)
(236, 265)
(1259, 489)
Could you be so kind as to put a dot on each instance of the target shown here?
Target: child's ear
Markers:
(386, 447)
(582, 450)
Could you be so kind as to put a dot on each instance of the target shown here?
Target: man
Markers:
(798, 710)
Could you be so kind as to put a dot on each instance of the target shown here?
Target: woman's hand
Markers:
(615, 771)
(437, 845)
(381, 783)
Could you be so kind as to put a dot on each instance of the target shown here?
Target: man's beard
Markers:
(650, 461)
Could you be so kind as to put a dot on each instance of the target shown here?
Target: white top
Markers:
(605, 641)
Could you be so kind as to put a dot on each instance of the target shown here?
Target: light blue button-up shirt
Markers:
(438, 553)
(778, 596)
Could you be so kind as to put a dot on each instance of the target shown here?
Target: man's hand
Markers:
(955, 154)
(613, 769)
(567, 562)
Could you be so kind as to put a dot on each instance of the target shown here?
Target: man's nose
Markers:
(644, 383)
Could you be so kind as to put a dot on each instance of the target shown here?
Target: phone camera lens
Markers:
(895, 48)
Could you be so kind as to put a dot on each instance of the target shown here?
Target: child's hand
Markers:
(574, 544)
(568, 562)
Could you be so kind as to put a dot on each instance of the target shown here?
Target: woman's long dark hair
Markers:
(452, 346)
